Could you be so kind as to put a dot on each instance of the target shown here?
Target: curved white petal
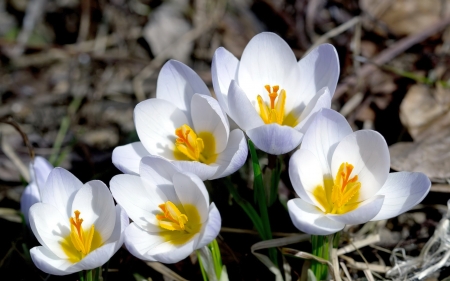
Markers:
(152, 246)
(30, 196)
(203, 171)
(49, 227)
(320, 68)
(207, 116)
(126, 158)
(367, 151)
(138, 200)
(306, 174)
(366, 211)
(98, 257)
(320, 101)
(223, 70)
(96, 206)
(268, 60)
(402, 191)
(59, 190)
(325, 132)
(177, 83)
(39, 170)
(122, 221)
(234, 155)
(309, 219)
(48, 262)
(241, 109)
(191, 190)
(156, 121)
(275, 139)
(212, 227)
(157, 170)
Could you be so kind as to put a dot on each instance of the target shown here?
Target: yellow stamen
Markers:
(275, 112)
(199, 148)
(340, 196)
(80, 240)
(172, 219)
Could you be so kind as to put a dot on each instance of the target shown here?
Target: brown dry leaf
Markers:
(425, 113)
(405, 17)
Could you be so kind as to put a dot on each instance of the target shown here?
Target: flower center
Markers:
(80, 242)
(339, 197)
(172, 219)
(273, 113)
(199, 148)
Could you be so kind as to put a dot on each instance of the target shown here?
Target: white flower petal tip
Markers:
(343, 176)
(71, 208)
(402, 191)
(177, 83)
(309, 219)
(171, 213)
(39, 170)
(197, 141)
(269, 87)
(275, 139)
(126, 158)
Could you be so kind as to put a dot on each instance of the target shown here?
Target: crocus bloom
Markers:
(77, 225)
(269, 94)
(184, 125)
(170, 210)
(342, 177)
(39, 171)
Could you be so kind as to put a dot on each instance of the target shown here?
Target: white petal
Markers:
(59, 190)
(98, 257)
(40, 170)
(367, 151)
(275, 139)
(48, 262)
(306, 174)
(30, 196)
(157, 170)
(126, 158)
(268, 60)
(234, 155)
(203, 171)
(311, 220)
(177, 83)
(122, 221)
(134, 195)
(50, 227)
(320, 68)
(96, 206)
(153, 247)
(223, 69)
(156, 121)
(191, 190)
(212, 227)
(241, 109)
(402, 191)
(320, 101)
(366, 211)
(207, 116)
(325, 132)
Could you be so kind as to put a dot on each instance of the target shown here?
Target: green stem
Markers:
(89, 275)
(202, 269)
(320, 248)
(260, 194)
(217, 259)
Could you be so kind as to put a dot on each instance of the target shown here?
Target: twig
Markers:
(359, 244)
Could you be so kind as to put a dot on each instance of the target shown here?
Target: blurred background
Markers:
(71, 72)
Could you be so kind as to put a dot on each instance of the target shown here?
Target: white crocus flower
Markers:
(39, 169)
(184, 125)
(342, 177)
(269, 94)
(77, 225)
(170, 210)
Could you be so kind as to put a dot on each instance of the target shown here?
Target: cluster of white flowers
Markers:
(341, 177)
